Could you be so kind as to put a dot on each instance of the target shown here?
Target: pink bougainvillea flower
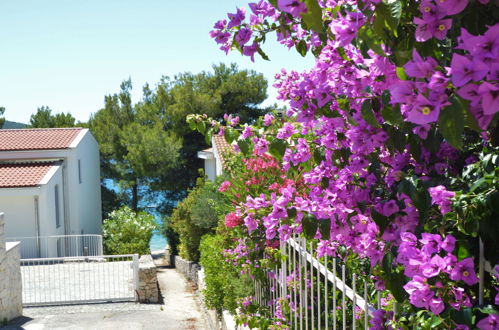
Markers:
(224, 186)
(262, 8)
(425, 30)
(490, 98)
(236, 18)
(491, 322)
(389, 208)
(220, 36)
(423, 111)
(449, 243)
(250, 51)
(465, 70)
(232, 220)
(267, 119)
(436, 305)
(294, 7)
(464, 271)
(442, 197)
(431, 243)
(452, 7)
(403, 92)
(430, 11)
(418, 67)
(243, 36)
(470, 92)
(250, 223)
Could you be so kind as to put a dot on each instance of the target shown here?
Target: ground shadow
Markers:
(16, 323)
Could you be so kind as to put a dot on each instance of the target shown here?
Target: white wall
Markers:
(19, 213)
(10, 278)
(85, 205)
(47, 214)
(210, 169)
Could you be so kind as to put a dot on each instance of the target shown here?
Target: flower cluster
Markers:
(370, 141)
(429, 262)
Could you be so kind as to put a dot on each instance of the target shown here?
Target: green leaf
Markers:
(463, 251)
(380, 220)
(262, 54)
(309, 225)
(401, 73)
(301, 47)
(415, 147)
(201, 126)
(451, 123)
(313, 17)
(208, 136)
(291, 213)
(368, 114)
(192, 124)
(230, 134)
(244, 146)
(325, 228)
(388, 13)
(372, 41)
(341, 52)
(488, 309)
(277, 148)
(392, 115)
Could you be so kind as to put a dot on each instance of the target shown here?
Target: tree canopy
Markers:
(2, 119)
(43, 118)
(150, 144)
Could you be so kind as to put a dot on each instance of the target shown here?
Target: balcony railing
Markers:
(59, 246)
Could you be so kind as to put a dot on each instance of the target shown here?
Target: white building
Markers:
(214, 157)
(50, 184)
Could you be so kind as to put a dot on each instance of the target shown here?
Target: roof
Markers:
(222, 147)
(16, 175)
(37, 138)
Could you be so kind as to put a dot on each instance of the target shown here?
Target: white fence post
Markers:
(135, 265)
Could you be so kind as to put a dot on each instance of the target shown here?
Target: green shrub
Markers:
(224, 285)
(171, 235)
(127, 232)
(195, 216)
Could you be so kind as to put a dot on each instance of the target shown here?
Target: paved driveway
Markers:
(179, 310)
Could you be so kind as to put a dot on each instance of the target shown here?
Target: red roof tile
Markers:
(23, 174)
(222, 147)
(37, 138)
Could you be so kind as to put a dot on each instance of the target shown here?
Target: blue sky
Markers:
(69, 54)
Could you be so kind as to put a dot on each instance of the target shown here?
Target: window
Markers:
(56, 197)
(79, 171)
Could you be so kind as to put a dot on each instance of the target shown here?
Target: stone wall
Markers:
(148, 280)
(189, 269)
(10, 278)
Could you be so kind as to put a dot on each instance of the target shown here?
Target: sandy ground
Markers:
(179, 310)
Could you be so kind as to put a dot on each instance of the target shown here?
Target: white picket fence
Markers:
(313, 297)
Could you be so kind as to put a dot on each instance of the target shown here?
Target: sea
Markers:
(158, 241)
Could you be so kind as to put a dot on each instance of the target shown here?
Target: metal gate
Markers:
(73, 280)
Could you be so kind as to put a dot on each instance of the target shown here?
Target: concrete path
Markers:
(178, 311)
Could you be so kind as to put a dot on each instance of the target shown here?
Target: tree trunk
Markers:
(135, 197)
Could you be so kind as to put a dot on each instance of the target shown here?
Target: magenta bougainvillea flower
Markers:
(490, 98)
(236, 18)
(464, 271)
(418, 67)
(465, 70)
(294, 7)
(491, 322)
(442, 197)
(243, 36)
(452, 7)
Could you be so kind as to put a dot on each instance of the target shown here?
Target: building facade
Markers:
(49, 185)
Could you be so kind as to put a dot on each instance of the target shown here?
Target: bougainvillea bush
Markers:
(387, 151)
